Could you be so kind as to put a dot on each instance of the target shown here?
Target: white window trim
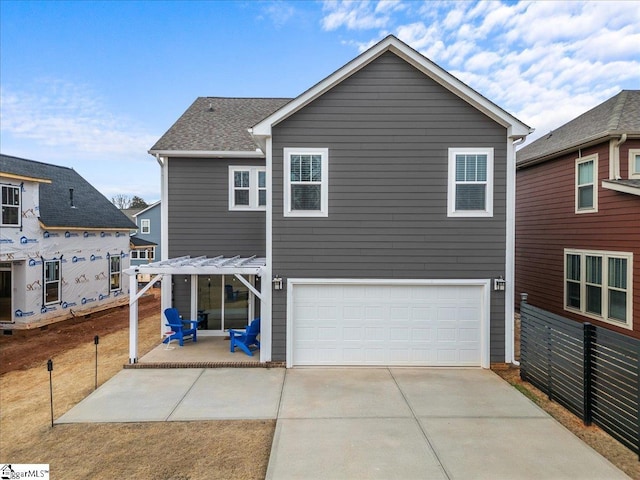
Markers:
(145, 226)
(633, 174)
(253, 188)
(451, 190)
(605, 255)
(324, 183)
(19, 206)
(113, 272)
(58, 281)
(580, 160)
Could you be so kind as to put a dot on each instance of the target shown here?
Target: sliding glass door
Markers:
(224, 302)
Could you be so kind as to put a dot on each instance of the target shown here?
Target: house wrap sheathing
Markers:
(62, 249)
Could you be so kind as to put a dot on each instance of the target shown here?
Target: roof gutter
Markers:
(207, 153)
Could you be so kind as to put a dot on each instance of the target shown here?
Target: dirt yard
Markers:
(164, 450)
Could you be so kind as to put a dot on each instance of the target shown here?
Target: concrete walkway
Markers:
(405, 423)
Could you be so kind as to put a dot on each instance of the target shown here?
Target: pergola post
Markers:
(133, 318)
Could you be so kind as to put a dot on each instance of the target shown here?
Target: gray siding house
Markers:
(378, 205)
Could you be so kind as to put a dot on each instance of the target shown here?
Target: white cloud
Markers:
(358, 15)
(54, 113)
(279, 12)
(66, 124)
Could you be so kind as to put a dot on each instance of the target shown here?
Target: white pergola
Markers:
(192, 267)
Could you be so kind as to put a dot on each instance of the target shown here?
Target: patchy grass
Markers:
(163, 450)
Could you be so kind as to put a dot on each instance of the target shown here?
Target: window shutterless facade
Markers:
(115, 272)
(470, 192)
(247, 188)
(145, 225)
(598, 284)
(52, 280)
(306, 182)
(10, 206)
(587, 184)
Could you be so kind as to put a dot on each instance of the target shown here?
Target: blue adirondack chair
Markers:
(180, 328)
(245, 339)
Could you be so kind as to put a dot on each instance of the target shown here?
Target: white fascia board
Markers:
(208, 153)
(516, 128)
(148, 208)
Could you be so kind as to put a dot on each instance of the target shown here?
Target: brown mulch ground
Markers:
(208, 450)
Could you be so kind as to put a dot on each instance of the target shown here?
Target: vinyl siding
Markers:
(546, 224)
(200, 222)
(388, 129)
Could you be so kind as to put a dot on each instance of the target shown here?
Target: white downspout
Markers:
(266, 287)
(167, 280)
(510, 348)
(616, 158)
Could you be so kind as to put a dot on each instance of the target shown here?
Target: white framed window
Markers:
(634, 163)
(306, 182)
(10, 206)
(145, 226)
(52, 281)
(587, 184)
(598, 284)
(146, 254)
(115, 272)
(470, 192)
(247, 188)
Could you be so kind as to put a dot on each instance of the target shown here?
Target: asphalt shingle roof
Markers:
(92, 209)
(620, 114)
(218, 124)
(141, 242)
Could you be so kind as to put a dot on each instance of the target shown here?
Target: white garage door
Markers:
(383, 324)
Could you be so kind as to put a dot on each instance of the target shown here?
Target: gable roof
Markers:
(146, 209)
(516, 129)
(216, 126)
(612, 118)
(90, 208)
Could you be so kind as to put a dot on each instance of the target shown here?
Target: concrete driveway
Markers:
(369, 423)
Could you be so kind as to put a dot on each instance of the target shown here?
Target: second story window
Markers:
(10, 205)
(634, 163)
(145, 226)
(306, 174)
(247, 188)
(587, 184)
(470, 191)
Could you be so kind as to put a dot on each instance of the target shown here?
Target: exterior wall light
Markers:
(277, 282)
(499, 284)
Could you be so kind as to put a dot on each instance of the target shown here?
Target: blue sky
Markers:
(92, 85)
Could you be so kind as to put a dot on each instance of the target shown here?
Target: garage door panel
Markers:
(386, 324)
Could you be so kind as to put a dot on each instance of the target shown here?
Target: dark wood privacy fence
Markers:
(591, 371)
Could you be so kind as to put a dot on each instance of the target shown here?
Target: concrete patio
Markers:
(208, 350)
